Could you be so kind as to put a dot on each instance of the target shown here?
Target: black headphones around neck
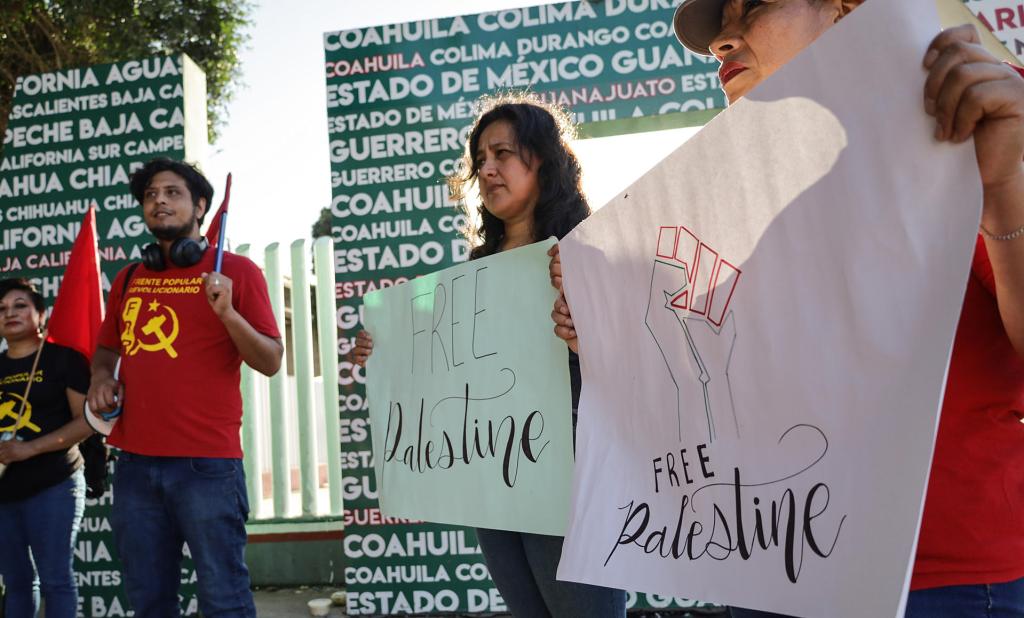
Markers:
(184, 252)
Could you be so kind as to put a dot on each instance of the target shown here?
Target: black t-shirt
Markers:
(575, 379)
(47, 410)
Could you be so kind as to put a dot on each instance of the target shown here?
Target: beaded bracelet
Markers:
(1017, 233)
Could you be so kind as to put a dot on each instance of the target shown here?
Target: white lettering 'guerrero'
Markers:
(389, 145)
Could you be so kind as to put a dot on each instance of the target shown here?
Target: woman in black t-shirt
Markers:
(42, 490)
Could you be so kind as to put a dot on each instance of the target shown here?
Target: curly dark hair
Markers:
(541, 131)
(197, 184)
(23, 285)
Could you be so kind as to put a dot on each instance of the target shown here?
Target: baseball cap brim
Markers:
(697, 23)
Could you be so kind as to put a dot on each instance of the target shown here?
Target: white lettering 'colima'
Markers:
(529, 17)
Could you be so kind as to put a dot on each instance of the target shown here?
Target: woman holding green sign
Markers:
(528, 178)
(970, 554)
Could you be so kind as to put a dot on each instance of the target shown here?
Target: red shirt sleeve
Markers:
(251, 298)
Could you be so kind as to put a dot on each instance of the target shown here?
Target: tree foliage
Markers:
(38, 36)
(322, 227)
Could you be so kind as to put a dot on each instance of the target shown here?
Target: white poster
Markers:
(765, 323)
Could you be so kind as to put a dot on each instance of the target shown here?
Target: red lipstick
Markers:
(729, 70)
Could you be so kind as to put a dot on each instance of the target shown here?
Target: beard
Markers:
(173, 232)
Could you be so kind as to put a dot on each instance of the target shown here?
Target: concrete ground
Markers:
(291, 602)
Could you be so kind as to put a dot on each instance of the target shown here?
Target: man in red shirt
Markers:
(181, 331)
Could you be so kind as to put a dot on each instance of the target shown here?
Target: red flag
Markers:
(78, 312)
(214, 229)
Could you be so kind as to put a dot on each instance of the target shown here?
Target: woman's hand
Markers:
(560, 314)
(563, 323)
(972, 93)
(555, 268)
(15, 450)
(363, 349)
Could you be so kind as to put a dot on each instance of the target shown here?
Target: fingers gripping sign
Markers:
(970, 92)
(564, 328)
(555, 268)
(560, 314)
(363, 348)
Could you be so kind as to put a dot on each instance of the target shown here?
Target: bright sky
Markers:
(275, 139)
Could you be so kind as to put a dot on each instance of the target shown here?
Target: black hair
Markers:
(23, 285)
(198, 185)
(541, 132)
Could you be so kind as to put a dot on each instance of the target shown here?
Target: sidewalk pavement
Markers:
(291, 602)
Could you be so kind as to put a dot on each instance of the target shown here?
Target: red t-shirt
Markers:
(973, 526)
(179, 367)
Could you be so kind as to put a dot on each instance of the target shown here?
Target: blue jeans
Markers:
(37, 535)
(523, 567)
(985, 600)
(161, 503)
(975, 601)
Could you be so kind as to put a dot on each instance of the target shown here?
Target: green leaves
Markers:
(37, 36)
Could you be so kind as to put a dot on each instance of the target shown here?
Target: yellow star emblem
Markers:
(153, 306)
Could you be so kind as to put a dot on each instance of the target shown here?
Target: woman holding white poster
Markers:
(970, 554)
(519, 158)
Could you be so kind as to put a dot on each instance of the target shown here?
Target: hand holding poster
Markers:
(765, 322)
(469, 396)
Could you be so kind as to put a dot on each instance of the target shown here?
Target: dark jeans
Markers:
(987, 600)
(523, 567)
(161, 503)
(38, 535)
(975, 601)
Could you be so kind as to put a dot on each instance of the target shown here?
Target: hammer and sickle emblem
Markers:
(157, 327)
(8, 409)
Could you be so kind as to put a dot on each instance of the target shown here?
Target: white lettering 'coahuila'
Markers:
(394, 34)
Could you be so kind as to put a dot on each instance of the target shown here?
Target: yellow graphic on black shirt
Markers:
(156, 330)
(9, 421)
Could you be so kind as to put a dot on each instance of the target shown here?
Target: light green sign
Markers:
(469, 392)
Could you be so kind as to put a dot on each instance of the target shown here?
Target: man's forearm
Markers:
(103, 362)
(259, 351)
